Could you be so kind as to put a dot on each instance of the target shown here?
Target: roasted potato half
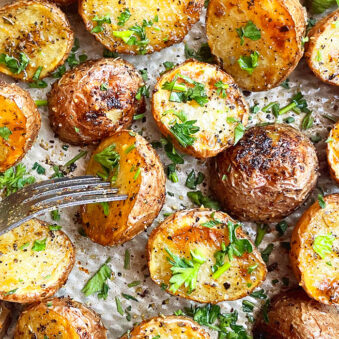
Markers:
(5, 319)
(187, 255)
(258, 42)
(333, 152)
(55, 316)
(204, 98)
(293, 315)
(19, 124)
(35, 38)
(267, 175)
(139, 26)
(168, 327)
(322, 51)
(138, 173)
(315, 250)
(95, 100)
(35, 262)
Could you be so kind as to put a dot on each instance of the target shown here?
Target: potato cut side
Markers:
(35, 262)
(322, 51)
(314, 250)
(168, 327)
(48, 318)
(5, 319)
(19, 124)
(141, 177)
(185, 232)
(139, 26)
(35, 33)
(333, 152)
(277, 46)
(216, 117)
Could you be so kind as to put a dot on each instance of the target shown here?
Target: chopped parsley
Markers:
(124, 17)
(109, 161)
(183, 132)
(143, 91)
(105, 207)
(238, 132)
(221, 88)
(168, 65)
(39, 245)
(119, 306)
(262, 229)
(322, 245)
(321, 201)
(24, 246)
(55, 215)
(285, 84)
(319, 6)
(99, 22)
(213, 222)
(104, 87)
(37, 83)
(108, 54)
(127, 260)
(40, 169)
(5, 132)
(281, 227)
(61, 70)
(172, 153)
(266, 252)
(171, 173)
(250, 31)
(144, 74)
(247, 306)
(16, 66)
(192, 180)
(249, 63)
(260, 294)
(203, 54)
(201, 200)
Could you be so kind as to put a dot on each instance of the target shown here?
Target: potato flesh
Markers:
(333, 152)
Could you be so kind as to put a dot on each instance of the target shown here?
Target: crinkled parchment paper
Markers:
(152, 300)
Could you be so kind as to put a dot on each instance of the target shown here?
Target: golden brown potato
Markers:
(139, 26)
(264, 34)
(35, 262)
(95, 100)
(138, 174)
(322, 54)
(267, 175)
(197, 235)
(19, 124)
(5, 319)
(218, 111)
(168, 327)
(314, 250)
(333, 152)
(293, 315)
(35, 36)
(48, 318)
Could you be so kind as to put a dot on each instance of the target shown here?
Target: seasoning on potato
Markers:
(333, 152)
(267, 175)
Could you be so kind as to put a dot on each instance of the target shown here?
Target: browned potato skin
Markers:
(5, 319)
(78, 109)
(64, 315)
(19, 113)
(65, 2)
(332, 150)
(265, 179)
(293, 315)
(170, 327)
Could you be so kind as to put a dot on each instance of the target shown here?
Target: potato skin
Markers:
(282, 24)
(168, 327)
(59, 315)
(293, 315)
(65, 2)
(332, 150)
(5, 319)
(324, 39)
(267, 175)
(318, 279)
(81, 113)
(18, 112)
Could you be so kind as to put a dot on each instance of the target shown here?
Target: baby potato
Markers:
(139, 26)
(259, 42)
(55, 316)
(314, 250)
(19, 124)
(35, 262)
(223, 262)
(204, 98)
(138, 173)
(35, 38)
(5, 319)
(95, 100)
(333, 152)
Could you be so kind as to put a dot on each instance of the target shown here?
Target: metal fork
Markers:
(39, 198)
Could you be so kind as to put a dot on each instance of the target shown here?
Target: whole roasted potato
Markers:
(35, 262)
(322, 51)
(315, 250)
(267, 175)
(5, 319)
(95, 100)
(131, 164)
(206, 240)
(333, 152)
(204, 100)
(168, 327)
(19, 124)
(35, 38)
(293, 315)
(55, 316)
(258, 42)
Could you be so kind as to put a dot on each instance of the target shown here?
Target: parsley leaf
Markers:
(172, 153)
(221, 88)
(171, 173)
(322, 245)
(319, 6)
(249, 63)
(123, 17)
(109, 161)
(203, 54)
(250, 31)
(37, 83)
(239, 132)
(192, 180)
(260, 294)
(183, 132)
(16, 66)
(39, 245)
(143, 91)
(213, 222)
(281, 227)
(168, 65)
(40, 169)
(266, 252)
(199, 199)
(5, 132)
(262, 229)
(321, 201)
(100, 21)
(285, 84)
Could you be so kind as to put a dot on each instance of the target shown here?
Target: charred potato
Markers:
(95, 100)
(199, 235)
(5, 319)
(168, 327)
(258, 42)
(35, 262)
(315, 250)
(333, 152)
(322, 53)
(49, 318)
(35, 38)
(218, 110)
(293, 315)
(267, 175)
(139, 174)
(139, 26)
(19, 124)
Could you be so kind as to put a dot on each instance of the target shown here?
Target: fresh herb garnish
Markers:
(61, 70)
(99, 22)
(11, 292)
(250, 31)
(239, 132)
(247, 306)
(54, 227)
(168, 65)
(16, 66)
(201, 200)
(285, 84)
(119, 306)
(40, 169)
(144, 74)
(127, 260)
(109, 161)
(183, 132)
(213, 222)
(104, 87)
(192, 180)
(319, 6)
(203, 54)
(221, 88)
(266, 252)
(281, 227)
(123, 17)
(105, 207)
(260, 294)
(249, 63)
(171, 173)
(143, 91)
(39, 245)
(129, 297)
(24, 246)
(262, 229)
(172, 153)
(5, 132)
(55, 215)
(322, 245)
(321, 201)
(37, 83)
